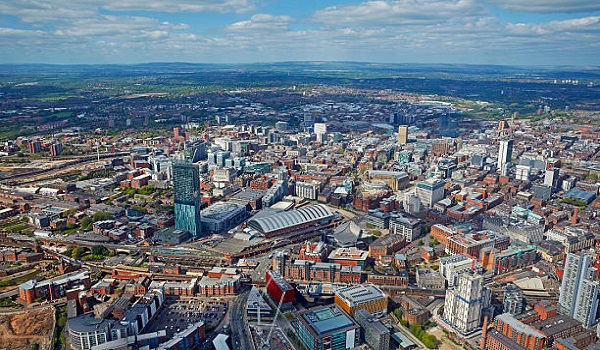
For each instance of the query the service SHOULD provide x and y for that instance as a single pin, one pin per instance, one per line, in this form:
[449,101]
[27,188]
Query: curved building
[292,220]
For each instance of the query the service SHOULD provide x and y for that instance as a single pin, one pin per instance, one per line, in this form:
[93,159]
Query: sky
[511,32]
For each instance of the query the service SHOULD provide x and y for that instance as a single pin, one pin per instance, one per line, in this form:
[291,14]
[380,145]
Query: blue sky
[514,32]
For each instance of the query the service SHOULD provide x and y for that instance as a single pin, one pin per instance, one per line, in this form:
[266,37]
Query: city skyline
[513,32]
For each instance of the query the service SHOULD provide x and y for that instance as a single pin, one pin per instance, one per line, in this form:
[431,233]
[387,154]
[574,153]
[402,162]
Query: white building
[409,228]
[465,303]
[522,172]
[504,154]
[309,190]
[430,191]
[452,266]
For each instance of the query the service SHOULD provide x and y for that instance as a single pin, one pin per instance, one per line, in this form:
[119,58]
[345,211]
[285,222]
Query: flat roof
[328,319]
[356,295]
[88,323]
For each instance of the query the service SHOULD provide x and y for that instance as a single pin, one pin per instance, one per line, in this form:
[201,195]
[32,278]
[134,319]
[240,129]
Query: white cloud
[399,12]
[262,22]
[45,11]
[549,6]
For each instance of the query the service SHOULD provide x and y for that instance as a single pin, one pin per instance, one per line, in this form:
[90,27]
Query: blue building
[327,327]
[186,193]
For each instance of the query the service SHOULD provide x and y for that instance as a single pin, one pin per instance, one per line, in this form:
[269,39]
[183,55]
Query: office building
[552,178]
[368,297]
[326,328]
[186,195]
[405,226]
[430,191]
[466,302]
[504,154]
[579,289]
[375,334]
[351,256]
[403,134]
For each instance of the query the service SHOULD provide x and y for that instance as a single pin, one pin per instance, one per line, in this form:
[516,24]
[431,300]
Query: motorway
[239,324]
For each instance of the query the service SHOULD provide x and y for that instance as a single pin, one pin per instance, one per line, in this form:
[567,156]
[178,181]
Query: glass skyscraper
[186,193]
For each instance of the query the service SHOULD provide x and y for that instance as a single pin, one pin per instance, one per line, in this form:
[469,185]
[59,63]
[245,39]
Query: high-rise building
[430,191]
[579,290]
[465,303]
[56,149]
[186,193]
[35,146]
[320,130]
[551,178]
[444,121]
[513,300]
[504,154]
[403,134]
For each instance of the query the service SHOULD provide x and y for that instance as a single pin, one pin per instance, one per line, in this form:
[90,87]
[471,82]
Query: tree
[100,250]
[77,253]
[86,223]
[420,242]
[101,216]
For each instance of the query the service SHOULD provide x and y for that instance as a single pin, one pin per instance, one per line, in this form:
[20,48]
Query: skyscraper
[504,154]
[465,303]
[579,289]
[444,121]
[402,134]
[186,193]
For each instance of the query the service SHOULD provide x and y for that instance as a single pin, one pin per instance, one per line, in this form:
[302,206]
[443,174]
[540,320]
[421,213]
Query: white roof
[220,342]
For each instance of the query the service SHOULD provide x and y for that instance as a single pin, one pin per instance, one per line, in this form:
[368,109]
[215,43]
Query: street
[239,325]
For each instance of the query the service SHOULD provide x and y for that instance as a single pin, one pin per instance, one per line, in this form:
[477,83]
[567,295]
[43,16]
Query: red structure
[277,287]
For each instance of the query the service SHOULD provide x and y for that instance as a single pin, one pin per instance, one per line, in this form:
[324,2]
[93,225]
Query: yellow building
[403,134]
[368,297]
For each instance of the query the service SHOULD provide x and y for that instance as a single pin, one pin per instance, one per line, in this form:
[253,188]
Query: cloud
[549,6]
[261,22]
[399,12]
[584,24]
[44,11]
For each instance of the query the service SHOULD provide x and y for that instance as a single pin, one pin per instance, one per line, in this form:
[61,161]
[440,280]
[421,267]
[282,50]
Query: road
[239,324]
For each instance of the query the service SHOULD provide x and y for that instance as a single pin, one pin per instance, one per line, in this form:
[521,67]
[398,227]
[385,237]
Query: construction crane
[267,341]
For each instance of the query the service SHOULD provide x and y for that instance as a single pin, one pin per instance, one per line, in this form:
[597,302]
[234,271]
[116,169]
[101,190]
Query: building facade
[579,289]
[186,195]
[465,303]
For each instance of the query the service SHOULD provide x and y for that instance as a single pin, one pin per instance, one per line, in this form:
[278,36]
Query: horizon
[316,62]
[475,32]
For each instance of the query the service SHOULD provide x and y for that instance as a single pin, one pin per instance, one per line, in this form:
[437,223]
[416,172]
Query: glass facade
[186,193]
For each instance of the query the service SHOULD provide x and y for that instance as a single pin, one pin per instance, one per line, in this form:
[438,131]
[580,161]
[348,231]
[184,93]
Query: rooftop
[356,295]
[519,326]
[328,319]
[351,253]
